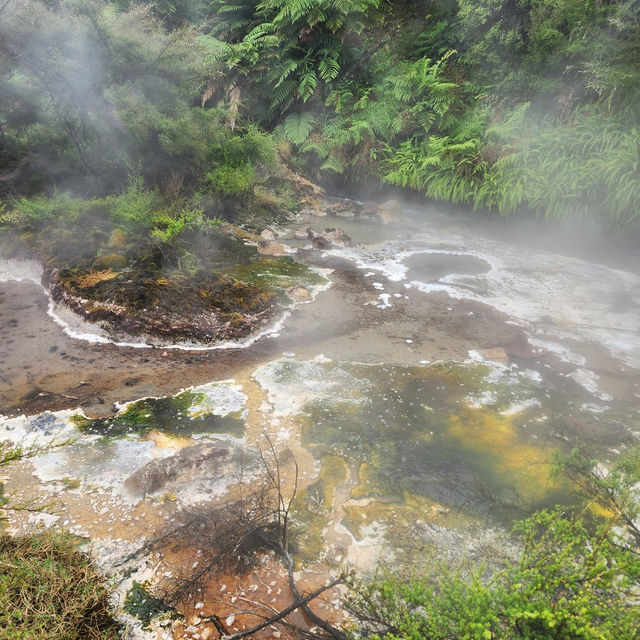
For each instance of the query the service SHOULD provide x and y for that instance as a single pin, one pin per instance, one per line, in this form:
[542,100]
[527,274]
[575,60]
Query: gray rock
[45,423]
[298,293]
[157,474]
[336,238]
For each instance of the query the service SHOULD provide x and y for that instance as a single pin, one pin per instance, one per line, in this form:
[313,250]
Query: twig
[283,614]
[43,392]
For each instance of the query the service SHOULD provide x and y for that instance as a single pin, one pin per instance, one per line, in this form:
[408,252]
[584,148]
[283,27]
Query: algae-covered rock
[118,239]
[113,261]
[146,299]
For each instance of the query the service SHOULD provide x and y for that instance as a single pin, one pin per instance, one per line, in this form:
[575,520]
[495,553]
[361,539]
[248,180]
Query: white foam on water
[519,407]
[556,299]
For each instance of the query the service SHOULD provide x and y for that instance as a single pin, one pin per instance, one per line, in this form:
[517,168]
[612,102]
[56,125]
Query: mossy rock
[113,261]
[118,239]
[172,415]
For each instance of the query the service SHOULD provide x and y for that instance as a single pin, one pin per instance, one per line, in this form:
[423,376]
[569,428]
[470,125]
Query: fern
[298,126]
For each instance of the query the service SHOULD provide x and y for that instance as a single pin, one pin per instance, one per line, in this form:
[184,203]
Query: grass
[49,590]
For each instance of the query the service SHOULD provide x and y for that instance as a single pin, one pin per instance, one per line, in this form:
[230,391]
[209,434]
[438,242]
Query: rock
[390,211]
[343,209]
[156,474]
[336,237]
[285,234]
[302,235]
[313,212]
[45,423]
[370,208]
[319,242]
[267,234]
[271,248]
[298,293]
[496,354]
[118,239]
[114,261]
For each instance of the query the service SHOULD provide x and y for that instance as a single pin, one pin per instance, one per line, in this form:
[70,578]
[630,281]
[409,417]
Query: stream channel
[422,393]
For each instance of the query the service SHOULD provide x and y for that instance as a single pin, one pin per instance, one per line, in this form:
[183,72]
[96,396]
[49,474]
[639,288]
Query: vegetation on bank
[50,590]
[514,106]
[577,576]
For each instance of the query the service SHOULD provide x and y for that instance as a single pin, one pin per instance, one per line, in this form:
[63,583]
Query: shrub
[231,181]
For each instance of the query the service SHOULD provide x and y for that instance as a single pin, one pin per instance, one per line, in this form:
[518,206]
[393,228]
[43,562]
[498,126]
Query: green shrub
[568,584]
[133,210]
[232,181]
[41,209]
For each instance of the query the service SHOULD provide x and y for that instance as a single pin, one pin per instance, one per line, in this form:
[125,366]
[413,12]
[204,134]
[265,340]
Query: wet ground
[421,395]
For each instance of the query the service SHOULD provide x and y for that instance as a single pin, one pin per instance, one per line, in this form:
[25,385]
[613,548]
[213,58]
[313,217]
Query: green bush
[568,584]
[41,209]
[133,209]
[577,576]
[231,181]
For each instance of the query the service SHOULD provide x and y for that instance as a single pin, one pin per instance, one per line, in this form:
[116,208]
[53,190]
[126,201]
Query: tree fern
[298,126]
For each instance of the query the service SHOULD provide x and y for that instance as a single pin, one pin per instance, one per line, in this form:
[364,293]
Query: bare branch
[283,614]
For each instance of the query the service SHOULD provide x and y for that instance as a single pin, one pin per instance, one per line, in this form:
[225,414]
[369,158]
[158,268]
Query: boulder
[319,242]
[158,473]
[331,237]
[298,293]
[271,248]
[285,234]
[118,239]
[370,208]
[336,237]
[390,211]
[343,209]
[267,234]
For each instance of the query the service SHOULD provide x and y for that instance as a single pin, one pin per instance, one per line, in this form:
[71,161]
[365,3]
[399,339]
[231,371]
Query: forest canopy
[516,106]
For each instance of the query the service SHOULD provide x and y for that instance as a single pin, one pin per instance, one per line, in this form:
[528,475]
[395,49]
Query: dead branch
[235,534]
[284,613]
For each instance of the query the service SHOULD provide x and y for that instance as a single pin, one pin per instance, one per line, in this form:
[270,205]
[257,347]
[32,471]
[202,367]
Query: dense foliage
[510,105]
[502,104]
[574,579]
